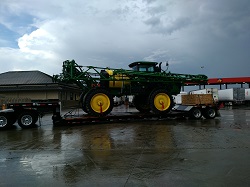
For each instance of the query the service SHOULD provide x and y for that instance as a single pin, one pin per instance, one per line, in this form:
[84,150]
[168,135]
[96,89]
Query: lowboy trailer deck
[68,119]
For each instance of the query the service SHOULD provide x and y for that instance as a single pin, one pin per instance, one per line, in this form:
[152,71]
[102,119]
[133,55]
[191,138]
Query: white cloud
[34,43]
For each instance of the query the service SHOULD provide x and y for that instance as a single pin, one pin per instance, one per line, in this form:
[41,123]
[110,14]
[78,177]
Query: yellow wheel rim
[162,101]
[100,103]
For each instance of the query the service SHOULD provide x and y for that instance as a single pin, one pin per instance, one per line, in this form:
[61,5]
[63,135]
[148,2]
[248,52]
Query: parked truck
[232,96]
[151,86]
[247,95]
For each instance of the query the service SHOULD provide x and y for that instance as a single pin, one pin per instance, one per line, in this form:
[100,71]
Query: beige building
[18,86]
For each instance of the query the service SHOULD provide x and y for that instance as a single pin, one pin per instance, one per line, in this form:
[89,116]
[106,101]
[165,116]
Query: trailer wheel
[195,113]
[27,119]
[99,102]
[160,102]
[141,103]
[4,121]
[209,113]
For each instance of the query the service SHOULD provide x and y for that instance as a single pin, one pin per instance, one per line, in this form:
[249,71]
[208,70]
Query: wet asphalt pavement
[173,152]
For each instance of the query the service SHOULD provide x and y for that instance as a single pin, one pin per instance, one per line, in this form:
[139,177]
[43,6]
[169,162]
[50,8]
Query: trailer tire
[27,119]
[99,102]
[4,121]
[141,103]
[160,101]
[209,113]
[195,113]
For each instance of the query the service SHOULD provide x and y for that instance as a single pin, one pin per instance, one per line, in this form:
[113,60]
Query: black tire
[209,113]
[83,102]
[99,102]
[84,108]
[141,103]
[160,101]
[27,119]
[5,121]
[195,113]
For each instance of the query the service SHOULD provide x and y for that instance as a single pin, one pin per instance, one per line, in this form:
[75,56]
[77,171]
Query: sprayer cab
[146,66]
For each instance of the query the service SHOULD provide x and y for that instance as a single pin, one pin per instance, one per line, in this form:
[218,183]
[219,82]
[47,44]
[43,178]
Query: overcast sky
[209,37]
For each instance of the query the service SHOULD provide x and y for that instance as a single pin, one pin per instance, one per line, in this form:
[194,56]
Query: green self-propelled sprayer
[151,86]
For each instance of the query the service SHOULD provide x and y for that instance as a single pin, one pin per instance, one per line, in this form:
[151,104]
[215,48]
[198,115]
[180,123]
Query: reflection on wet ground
[174,152]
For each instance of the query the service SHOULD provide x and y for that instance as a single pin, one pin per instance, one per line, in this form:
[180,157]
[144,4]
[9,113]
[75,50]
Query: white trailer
[232,96]
[247,94]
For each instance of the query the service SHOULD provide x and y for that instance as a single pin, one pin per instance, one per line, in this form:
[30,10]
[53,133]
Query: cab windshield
[145,68]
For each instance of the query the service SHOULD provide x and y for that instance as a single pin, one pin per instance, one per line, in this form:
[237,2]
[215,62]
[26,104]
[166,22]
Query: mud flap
[217,113]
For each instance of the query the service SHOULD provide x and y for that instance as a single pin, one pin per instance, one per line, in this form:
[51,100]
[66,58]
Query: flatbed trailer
[27,114]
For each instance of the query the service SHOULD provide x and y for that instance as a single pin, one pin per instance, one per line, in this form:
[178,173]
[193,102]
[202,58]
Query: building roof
[31,81]
[24,77]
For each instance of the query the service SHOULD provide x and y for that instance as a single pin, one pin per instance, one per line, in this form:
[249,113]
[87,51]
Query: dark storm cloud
[230,17]
[213,34]
[149,1]
[153,21]
[166,26]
